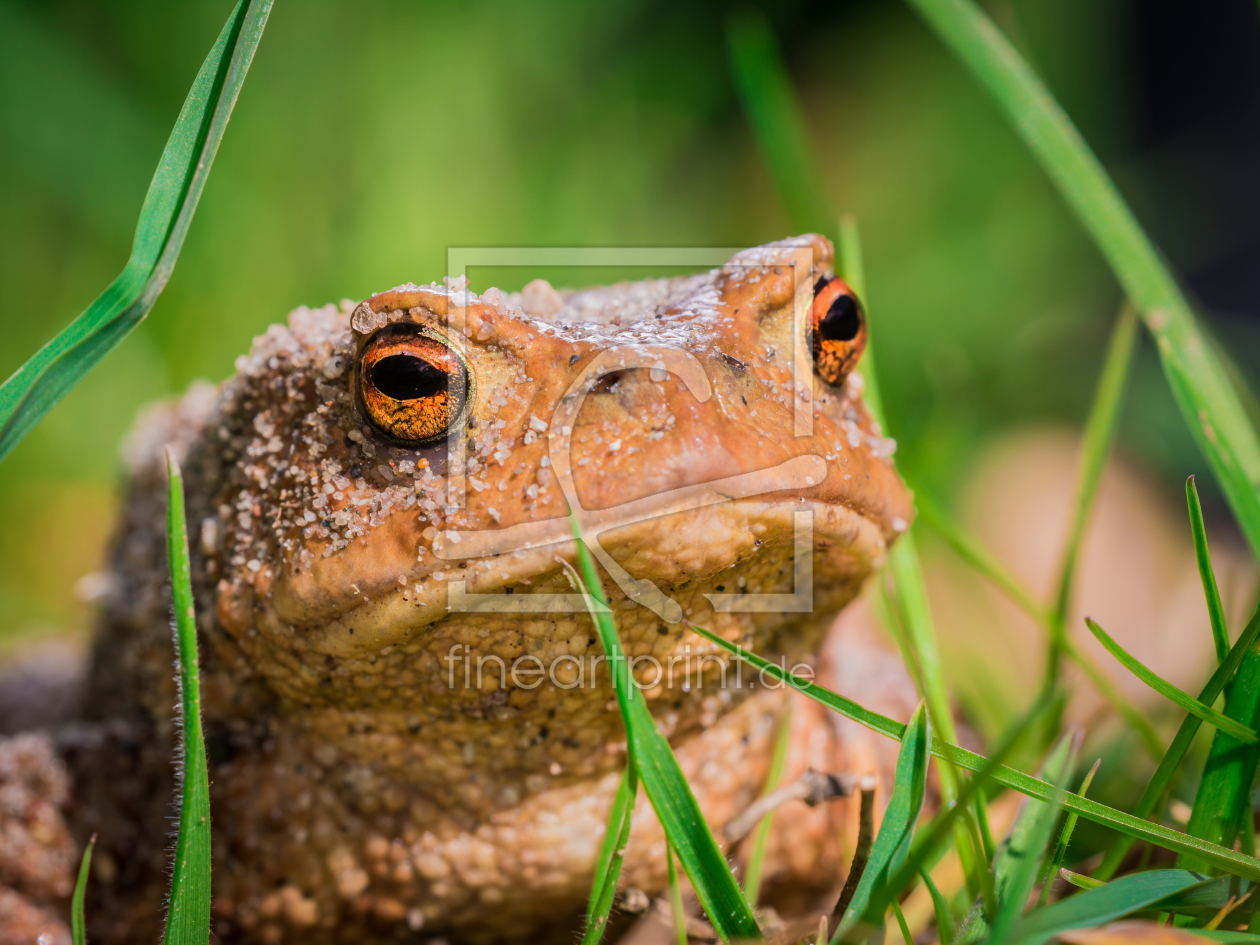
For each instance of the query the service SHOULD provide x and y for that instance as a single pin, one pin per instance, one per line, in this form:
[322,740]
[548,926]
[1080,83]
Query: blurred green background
[370,136]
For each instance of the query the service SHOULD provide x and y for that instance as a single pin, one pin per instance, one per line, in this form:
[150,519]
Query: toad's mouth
[709,536]
[794,475]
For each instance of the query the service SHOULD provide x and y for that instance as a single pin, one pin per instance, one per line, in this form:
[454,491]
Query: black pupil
[842,321]
[405,377]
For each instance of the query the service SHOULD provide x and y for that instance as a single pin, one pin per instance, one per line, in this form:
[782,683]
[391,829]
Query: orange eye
[413,386]
[837,330]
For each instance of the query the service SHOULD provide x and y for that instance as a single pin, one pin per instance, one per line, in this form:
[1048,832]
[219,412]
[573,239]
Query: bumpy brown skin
[359,789]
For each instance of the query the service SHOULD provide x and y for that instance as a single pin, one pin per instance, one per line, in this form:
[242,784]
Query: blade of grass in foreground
[78,931]
[1226,859]
[979,558]
[779,127]
[1026,848]
[50,373]
[1104,904]
[1100,430]
[676,808]
[752,879]
[1065,838]
[611,854]
[1168,765]
[1216,612]
[676,911]
[909,587]
[777,122]
[940,905]
[1209,404]
[1169,691]
[932,838]
[1224,792]
[892,843]
[188,918]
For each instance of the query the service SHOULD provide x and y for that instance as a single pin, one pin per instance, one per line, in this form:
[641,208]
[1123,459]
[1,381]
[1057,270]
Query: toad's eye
[837,330]
[413,386]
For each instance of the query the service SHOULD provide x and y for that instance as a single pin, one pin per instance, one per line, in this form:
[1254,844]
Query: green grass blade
[1203,390]
[892,843]
[777,121]
[752,879]
[1172,759]
[779,126]
[1107,903]
[1065,838]
[1080,880]
[1226,859]
[1170,692]
[901,923]
[1111,692]
[188,918]
[912,604]
[909,587]
[1225,788]
[676,808]
[78,930]
[1205,899]
[676,912]
[932,839]
[50,373]
[940,905]
[1018,838]
[1027,846]
[903,558]
[975,554]
[1100,430]
[1216,612]
[611,854]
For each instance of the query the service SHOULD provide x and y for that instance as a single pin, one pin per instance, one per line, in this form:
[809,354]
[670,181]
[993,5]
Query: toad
[409,719]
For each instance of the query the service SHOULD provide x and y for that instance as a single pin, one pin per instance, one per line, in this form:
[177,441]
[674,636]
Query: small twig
[866,836]
[812,787]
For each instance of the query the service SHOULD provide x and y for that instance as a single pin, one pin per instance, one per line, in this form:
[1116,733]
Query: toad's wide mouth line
[795,474]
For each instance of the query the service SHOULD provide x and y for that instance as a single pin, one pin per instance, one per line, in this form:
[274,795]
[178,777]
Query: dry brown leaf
[1131,932]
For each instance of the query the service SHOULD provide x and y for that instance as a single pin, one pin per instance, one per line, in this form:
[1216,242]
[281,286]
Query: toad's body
[374,771]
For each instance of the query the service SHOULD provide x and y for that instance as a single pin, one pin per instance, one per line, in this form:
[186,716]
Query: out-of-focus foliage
[372,136]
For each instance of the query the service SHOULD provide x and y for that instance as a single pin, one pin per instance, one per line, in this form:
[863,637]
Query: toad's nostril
[406,377]
[607,382]
[842,321]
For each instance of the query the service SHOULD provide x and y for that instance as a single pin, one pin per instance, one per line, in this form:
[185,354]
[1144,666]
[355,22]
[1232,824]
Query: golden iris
[413,385]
